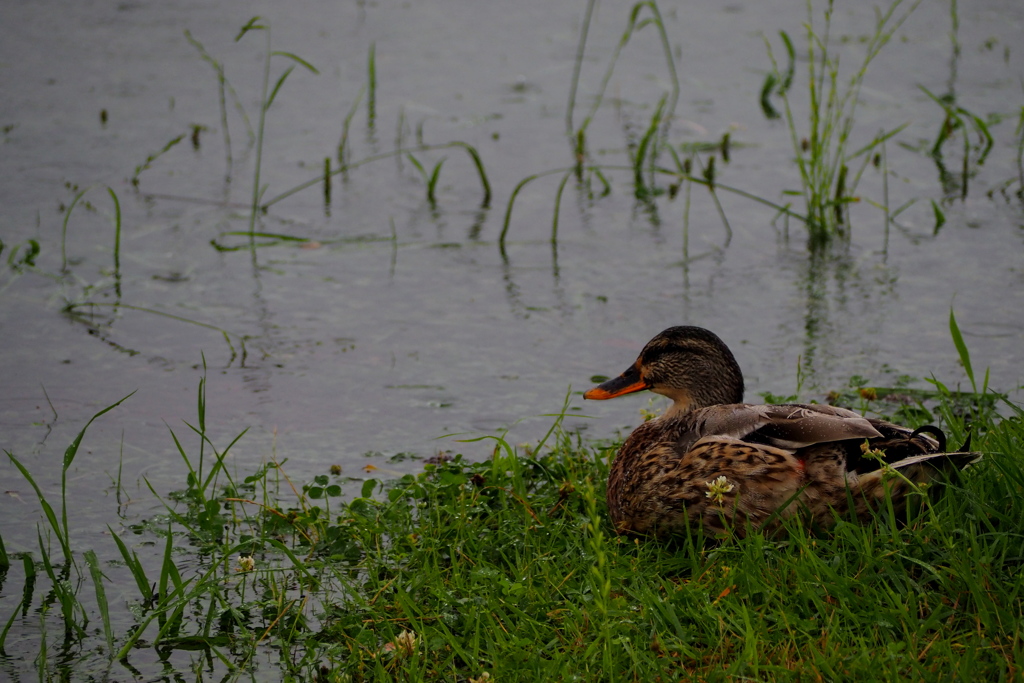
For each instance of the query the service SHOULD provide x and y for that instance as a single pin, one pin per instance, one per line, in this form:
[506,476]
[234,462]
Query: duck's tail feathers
[933,470]
[940,436]
[938,461]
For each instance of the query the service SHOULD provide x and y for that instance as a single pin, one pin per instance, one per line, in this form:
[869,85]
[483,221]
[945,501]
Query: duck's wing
[790,426]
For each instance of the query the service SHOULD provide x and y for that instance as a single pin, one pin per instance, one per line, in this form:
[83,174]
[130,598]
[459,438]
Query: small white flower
[404,644]
[246,563]
[718,488]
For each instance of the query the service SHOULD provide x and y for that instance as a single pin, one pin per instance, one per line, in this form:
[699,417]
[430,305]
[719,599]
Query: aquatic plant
[267,97]
[821,149]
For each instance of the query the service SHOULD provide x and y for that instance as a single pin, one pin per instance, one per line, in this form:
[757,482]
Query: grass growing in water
[822,151]
[508,567]
[266,99]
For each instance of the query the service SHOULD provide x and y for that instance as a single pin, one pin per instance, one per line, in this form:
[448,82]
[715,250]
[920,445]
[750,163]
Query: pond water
[388,320]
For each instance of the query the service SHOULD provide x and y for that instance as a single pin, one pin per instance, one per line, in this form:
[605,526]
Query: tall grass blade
[343,146]
[7,627]
[62,591]
[5,561]
[298,60]
[277,86]
[479,164]
[577,66]
[29,259]
[69,457]
[29,567]
[51,516]
[419,167]
[260,127]
[223,87]
[64,230]
[633,25]
[101,597]
[327,182]
[646,147]
[771,80]
[145,165]
[134,565]
[558,206]
[961,349]
[940,217]
[432,182]
[117,241]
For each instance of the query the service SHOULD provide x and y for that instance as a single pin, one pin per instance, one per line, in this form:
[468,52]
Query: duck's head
[690,365]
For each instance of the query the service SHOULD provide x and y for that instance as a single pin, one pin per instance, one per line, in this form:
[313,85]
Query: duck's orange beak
[626,383]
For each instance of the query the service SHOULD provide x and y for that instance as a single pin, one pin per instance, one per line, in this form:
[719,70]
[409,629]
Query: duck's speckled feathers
[720,464]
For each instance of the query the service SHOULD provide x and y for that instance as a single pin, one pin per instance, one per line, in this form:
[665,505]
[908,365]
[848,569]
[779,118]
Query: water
[405,322]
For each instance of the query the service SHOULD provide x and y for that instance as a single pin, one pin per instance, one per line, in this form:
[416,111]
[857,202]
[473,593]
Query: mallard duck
[711,459]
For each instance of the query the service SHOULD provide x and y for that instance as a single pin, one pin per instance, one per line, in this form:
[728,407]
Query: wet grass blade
[117,236]
[131,560]
[298,60]
[430,179]
[64,230]
[940,217]
[223,87]
[961,349]
[633,25]
[145,165]
[577,67]
[7,626]
[69,457]
[117,241]
[646,148]
[284,76]
[63,592]
[267,96]
[479,164]
[277,86]
[343,146]
[101,597]
[327,182]
[558,206]
[419,167]
[48,512]
[771,80]
[435,175]
[168,570]
[529,179]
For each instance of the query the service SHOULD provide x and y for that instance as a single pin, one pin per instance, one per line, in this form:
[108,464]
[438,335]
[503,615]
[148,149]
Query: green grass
[509,566]
[502,561]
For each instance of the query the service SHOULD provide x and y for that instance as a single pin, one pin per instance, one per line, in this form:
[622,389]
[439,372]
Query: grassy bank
[509,567]
[504,567]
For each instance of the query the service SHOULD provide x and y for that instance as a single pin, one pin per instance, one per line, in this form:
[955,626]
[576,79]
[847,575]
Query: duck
[728,467]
